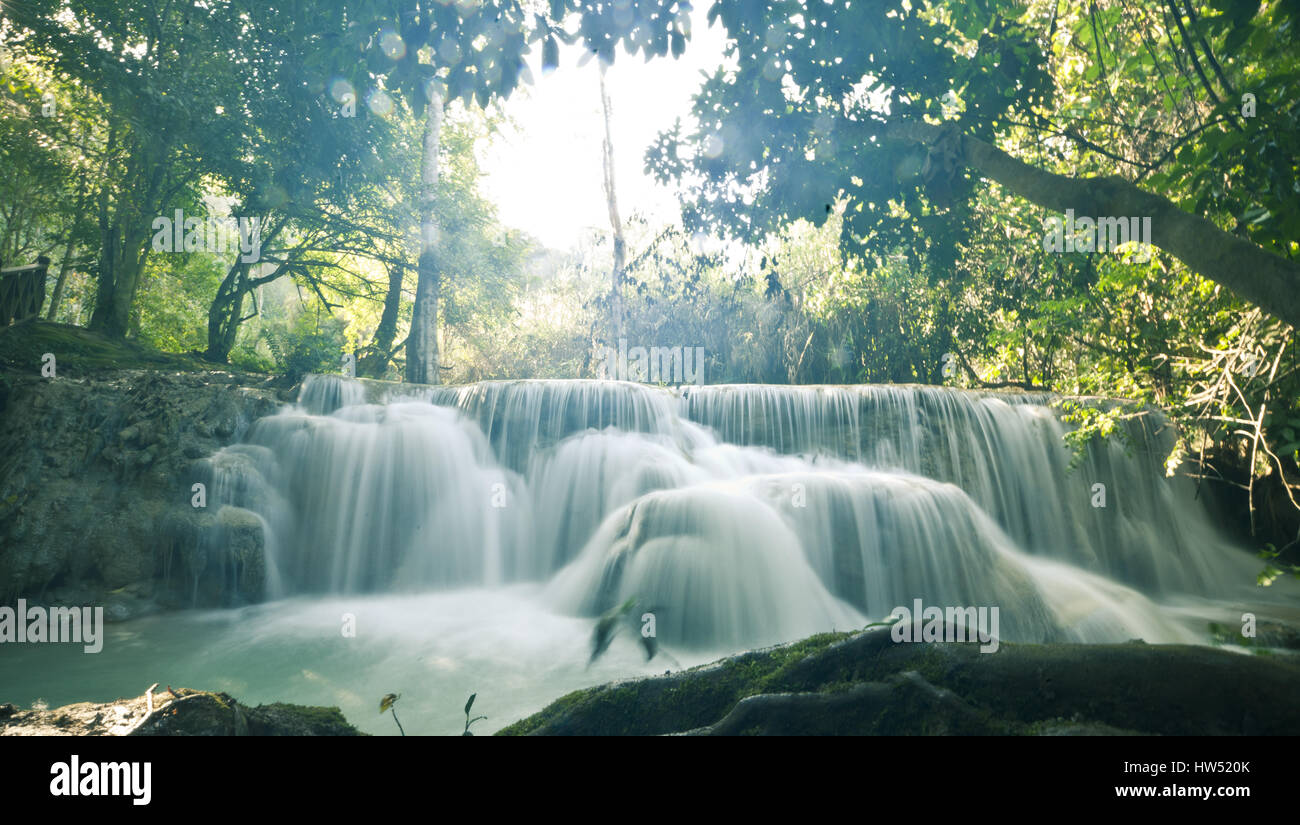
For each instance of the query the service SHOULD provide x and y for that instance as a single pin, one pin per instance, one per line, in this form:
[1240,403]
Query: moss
[204,713]
[865,684]
[692,698]
[223,701]
[279,719]
[307,712]
[79,352]
[550,712]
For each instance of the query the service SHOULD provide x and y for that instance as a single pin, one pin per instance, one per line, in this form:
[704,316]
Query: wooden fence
[22,291]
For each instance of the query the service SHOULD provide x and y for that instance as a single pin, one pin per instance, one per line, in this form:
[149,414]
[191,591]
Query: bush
[312,343]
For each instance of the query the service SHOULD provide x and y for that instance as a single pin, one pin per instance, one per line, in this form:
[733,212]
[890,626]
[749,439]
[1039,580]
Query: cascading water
[438,542]
[1007,451]
[743,515]
[378,498]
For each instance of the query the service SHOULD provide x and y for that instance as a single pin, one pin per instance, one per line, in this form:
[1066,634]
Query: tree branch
[1252,272]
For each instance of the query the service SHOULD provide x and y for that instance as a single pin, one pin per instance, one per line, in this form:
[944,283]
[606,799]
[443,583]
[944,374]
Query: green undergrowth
[78,352]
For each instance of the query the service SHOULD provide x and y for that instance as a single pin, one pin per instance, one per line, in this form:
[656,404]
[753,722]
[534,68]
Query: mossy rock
[866,684]
[279,719]
[179,712]
[198,713]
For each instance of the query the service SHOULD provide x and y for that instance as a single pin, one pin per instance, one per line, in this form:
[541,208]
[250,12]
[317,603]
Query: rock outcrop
[181,713]
[864,683]
[97,475]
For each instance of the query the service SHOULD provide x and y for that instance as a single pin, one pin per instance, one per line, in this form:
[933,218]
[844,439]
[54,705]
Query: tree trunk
[104,281]
[375,362]
[125,236]
[62,281]
[615,222]
[422,343]
[119,281]
[56,300]
[1267,280]
[226,313]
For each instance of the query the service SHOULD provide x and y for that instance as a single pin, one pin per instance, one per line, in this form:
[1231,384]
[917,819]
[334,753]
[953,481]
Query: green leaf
[550,54]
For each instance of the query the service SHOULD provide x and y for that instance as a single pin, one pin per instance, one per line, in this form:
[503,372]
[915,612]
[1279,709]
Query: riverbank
[101,456]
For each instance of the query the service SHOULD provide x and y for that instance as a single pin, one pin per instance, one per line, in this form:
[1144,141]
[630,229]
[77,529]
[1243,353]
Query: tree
[422,343]
[434,52]
[827,97]
[313,206]
[47,154]
[615,221]
[160,71]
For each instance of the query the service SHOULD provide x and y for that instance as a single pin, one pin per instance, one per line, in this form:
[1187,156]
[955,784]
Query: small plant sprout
[469,721]
[386,705]
[606,626]
[642,625]
[889,622]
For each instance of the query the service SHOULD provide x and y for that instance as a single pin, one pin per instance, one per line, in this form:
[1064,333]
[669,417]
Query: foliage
[1148,93]
[468,721]
[815,247]
[388,704]
[311,343]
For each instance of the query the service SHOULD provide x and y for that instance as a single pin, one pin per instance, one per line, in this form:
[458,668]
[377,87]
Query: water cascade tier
[739,515]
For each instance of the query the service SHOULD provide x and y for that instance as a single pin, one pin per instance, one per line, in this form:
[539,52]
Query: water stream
[472,534]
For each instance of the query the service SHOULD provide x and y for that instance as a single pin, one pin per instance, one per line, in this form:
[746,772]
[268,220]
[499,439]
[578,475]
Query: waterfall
[1007,451]
[323,394]
[739,515]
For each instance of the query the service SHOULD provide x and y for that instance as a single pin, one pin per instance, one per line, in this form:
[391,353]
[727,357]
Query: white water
[475,532]
[748,514]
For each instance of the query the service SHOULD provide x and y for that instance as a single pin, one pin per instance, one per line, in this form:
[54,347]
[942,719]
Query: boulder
[865,683]
[182,712]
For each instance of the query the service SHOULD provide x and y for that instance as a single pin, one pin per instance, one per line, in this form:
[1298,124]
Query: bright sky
[545,174]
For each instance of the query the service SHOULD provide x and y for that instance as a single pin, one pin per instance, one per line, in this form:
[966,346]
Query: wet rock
[180,713]
[888,707]
[223,556]
[864,683]
[95,483]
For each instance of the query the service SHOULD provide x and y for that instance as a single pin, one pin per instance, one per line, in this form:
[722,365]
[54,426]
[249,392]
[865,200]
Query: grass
[79,352]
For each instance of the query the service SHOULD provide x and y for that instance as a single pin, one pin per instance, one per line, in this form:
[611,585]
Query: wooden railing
[22,291]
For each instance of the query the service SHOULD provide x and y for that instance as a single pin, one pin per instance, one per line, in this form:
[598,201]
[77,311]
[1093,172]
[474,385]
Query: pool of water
[433,649]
